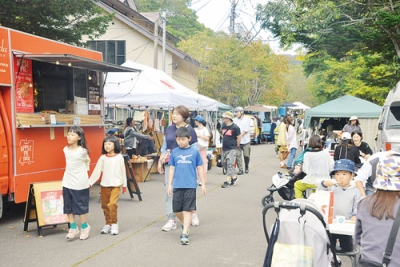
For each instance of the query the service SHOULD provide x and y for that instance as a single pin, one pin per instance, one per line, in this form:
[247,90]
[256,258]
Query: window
[113,51]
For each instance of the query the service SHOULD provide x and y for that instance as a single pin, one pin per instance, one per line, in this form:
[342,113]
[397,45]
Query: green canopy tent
[223,108]
[344,107]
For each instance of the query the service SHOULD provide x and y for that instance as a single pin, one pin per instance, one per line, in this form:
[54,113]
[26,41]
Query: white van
[389,122]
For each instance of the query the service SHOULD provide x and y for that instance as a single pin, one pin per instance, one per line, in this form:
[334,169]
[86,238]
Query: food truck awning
[76,62]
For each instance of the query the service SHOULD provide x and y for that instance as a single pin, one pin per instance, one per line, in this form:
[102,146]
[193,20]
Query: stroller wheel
[224,167]
[267,199]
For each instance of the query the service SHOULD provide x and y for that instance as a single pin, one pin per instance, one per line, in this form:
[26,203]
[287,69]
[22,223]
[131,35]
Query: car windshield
[393,121]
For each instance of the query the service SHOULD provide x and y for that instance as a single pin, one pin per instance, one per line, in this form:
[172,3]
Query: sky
[215,14]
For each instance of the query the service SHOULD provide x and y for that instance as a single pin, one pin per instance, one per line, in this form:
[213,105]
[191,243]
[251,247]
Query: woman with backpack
[346,150]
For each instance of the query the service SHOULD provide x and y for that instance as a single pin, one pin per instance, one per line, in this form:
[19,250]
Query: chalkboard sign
[45,205]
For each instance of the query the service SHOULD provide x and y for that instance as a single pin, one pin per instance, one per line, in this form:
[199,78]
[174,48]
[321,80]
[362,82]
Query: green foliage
[237,73]
[65,21]
[181,20]
[356,75]
[338,34]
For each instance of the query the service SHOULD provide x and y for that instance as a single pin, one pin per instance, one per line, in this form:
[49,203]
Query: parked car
[389,122]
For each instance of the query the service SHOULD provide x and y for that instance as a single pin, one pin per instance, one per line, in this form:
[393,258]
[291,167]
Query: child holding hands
[346,196]
[111,164]
[75,182]
[182,184]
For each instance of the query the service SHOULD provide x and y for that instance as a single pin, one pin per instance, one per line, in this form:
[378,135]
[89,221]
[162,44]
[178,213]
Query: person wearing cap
[203,136]
[346,150]
[377,212]
[352,125]
[245,148]
[346,197]
[230,144]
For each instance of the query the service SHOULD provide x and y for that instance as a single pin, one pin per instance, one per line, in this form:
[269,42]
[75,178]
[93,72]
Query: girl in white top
[75,182]
[203,136]
[111,164]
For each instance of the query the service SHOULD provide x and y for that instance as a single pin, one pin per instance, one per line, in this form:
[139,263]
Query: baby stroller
[281,183]
[299,236]
[284,184]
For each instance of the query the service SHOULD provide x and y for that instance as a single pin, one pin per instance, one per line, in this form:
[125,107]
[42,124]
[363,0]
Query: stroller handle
[291,206]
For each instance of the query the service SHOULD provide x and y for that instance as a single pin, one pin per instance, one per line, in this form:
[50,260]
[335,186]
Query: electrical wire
[143,50]
[202,6]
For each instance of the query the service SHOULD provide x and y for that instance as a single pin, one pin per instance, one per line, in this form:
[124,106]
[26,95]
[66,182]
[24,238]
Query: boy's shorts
[76,201]
[184,199]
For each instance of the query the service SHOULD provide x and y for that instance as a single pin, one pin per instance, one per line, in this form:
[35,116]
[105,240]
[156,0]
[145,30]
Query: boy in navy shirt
[182,183]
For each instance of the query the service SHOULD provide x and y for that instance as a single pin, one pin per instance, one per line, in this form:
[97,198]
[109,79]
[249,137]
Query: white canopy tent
[152,88]
[300,105]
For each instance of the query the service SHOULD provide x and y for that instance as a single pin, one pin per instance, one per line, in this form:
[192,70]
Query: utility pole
[233,15]
[155,64]
[164,19]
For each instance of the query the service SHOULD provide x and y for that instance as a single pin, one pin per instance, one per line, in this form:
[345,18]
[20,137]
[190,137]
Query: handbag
[389,246]
[164,158]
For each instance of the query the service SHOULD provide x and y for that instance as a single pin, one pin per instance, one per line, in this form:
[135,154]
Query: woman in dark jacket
[345,150]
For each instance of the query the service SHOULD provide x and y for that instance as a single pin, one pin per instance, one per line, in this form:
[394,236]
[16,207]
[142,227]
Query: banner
[24,98]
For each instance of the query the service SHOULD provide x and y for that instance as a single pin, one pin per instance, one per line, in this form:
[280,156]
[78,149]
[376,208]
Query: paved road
[230,231]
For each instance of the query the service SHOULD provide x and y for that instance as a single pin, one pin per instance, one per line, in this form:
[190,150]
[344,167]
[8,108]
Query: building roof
[143,25]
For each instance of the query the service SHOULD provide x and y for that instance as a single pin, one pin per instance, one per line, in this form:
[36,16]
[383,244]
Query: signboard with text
[5,62]
[24,99]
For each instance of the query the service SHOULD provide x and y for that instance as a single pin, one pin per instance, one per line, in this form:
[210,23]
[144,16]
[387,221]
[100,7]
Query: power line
[203,6]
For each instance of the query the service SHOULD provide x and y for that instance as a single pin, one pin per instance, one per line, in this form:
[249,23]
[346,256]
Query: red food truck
[45,88]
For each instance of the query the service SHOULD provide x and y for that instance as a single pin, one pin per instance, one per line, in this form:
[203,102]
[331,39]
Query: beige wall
[140,49]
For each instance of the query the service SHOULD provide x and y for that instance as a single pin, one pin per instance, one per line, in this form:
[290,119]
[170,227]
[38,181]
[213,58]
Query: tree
[65,21]
[181,20]
[368,29]
[237,73]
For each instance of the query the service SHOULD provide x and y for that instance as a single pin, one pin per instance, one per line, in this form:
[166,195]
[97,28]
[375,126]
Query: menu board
[94,94]
[52,207]
[24,102]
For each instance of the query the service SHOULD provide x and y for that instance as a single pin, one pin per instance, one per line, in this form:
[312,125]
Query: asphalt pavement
[230,231]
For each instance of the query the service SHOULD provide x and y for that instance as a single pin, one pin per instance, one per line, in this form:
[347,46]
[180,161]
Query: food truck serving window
[64,85]
[62,89]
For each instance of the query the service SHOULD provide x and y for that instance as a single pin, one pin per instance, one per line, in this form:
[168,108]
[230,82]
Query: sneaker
[85,233]
[225,184]
[170,225]
[240,172]
[72,233]
[284,166]
[234,180]
[246,170]
[182,230]
[195,219]
[114,229]
[106,229]
[184,239]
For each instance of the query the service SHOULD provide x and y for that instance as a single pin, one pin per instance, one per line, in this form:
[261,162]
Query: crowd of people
[366,185]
